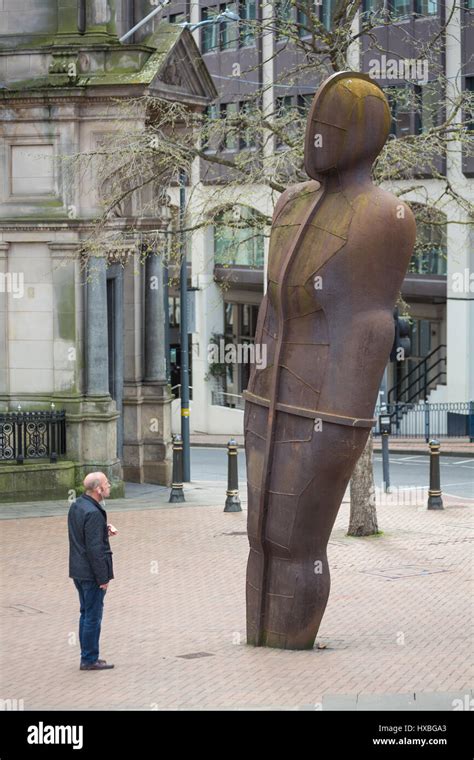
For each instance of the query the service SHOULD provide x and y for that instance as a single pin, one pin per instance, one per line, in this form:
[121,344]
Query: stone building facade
[87,337]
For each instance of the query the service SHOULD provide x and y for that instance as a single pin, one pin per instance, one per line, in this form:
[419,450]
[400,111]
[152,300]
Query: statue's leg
[309,474]
[255,427]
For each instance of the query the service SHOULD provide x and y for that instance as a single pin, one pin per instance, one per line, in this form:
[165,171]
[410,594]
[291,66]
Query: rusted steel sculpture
[339,250]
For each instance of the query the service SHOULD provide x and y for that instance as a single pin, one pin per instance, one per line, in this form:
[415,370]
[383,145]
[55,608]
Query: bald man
[90,564]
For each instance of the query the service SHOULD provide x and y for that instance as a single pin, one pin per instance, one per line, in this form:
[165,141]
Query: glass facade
[229,30]
[427,107]
[209,32]
[238,238]
[231,136]
[426,7]
[431,251]
[399,8]
[283,15]
[248,14]
[240,320]
[327,7]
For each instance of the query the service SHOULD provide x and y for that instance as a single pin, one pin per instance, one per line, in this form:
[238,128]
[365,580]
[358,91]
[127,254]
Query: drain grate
[235,533]
[195,655]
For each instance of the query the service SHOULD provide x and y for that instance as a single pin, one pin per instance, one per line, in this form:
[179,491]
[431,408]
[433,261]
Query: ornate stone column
[156,407]
[97,360]
[155,362]
[99,413]
[3,325]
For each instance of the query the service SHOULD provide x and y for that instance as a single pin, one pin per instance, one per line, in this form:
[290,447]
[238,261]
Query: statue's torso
[328,303]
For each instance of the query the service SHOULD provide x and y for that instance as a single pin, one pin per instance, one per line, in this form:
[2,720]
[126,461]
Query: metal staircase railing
[418,382]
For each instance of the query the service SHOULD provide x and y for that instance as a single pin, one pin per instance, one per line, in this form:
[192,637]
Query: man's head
[97,485]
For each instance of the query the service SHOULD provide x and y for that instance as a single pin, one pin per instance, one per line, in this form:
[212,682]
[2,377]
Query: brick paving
[398,622]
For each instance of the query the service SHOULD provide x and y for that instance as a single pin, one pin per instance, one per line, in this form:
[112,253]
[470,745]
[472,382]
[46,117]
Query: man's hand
[104,586]
[112,529]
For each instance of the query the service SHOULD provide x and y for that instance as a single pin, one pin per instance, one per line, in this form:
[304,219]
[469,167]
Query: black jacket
[90,556]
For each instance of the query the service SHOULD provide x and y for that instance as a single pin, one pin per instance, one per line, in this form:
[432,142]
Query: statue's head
[348,124]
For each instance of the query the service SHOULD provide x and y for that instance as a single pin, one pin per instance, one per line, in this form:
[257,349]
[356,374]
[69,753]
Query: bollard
[385,425]
[232,503]
[434,494]
[177,494]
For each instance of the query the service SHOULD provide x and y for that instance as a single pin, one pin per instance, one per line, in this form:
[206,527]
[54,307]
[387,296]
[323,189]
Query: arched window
[430,254]
[238,237]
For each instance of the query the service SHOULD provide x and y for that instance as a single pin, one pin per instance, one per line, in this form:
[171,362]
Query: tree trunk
[363,517]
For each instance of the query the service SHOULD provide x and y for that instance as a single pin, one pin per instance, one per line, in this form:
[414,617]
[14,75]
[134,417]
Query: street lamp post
[184,335]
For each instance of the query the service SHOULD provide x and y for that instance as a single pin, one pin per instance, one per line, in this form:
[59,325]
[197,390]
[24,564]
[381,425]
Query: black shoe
[99,665]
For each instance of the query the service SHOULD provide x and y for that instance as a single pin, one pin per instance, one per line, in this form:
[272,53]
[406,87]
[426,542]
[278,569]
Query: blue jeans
[91,598]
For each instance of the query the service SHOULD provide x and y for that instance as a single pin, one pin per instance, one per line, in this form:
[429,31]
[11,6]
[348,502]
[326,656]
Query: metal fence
[407,420]
[427,420]
[230,400]
[32,435]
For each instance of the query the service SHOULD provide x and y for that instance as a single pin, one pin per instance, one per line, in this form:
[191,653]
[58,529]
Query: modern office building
[437,287]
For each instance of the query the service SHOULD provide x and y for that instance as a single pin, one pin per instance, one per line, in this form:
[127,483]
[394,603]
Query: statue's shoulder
[382,203]
[293,193]
[383,208]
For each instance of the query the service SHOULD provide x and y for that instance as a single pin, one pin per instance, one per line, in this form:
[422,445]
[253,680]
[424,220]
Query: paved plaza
[397,632]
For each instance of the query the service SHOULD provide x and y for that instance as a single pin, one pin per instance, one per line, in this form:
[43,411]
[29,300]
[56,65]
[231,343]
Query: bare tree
[137,169]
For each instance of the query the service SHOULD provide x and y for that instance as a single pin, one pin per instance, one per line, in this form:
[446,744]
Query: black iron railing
[419,381]
[32,435]
[427,420]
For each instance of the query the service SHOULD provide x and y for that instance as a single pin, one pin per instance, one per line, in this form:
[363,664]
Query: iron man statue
[339,250]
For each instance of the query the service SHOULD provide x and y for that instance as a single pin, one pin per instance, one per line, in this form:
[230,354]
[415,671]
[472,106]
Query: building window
[177,18]
[415,108]
[401,104]
[283,105]
[303,23]
[238,238]
[427,102]
[221,35]
[209,137]
[240,320]
[426,7]
[247,134]
[328,8]
[304,103]
[291,111]
[229,33]
[400,8]
[283,18]
[230,112]
[469,110]
[209,32]
[431,251]
[173,311]
[375,6]
[248,15]
[32,170]
[235,135]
